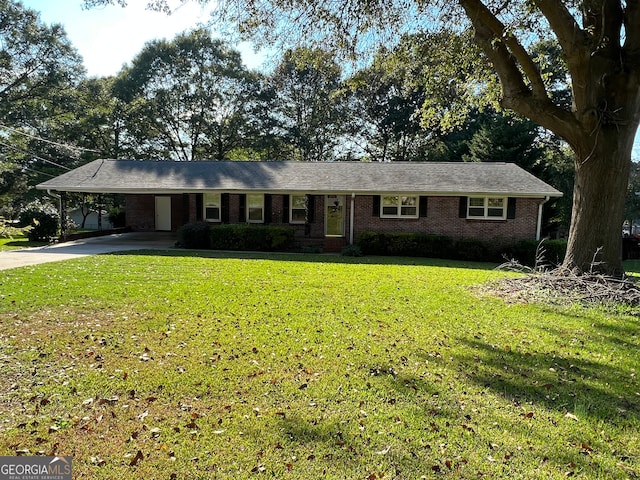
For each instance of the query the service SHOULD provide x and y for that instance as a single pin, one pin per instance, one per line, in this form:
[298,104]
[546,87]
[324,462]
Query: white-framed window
[297,208]
[255,208]
[212,205]
[399,206]
[487,208]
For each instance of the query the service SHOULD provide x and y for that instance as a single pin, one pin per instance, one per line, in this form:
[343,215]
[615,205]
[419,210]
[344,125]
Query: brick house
[329,203]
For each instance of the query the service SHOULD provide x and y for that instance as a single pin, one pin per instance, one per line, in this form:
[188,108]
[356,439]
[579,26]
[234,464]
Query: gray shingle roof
[428,178]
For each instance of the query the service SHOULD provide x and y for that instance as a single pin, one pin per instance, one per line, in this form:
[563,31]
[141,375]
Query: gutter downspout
[351,217]
[539,225]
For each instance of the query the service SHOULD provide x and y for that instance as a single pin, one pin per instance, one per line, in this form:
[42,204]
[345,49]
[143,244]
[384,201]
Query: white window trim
[485,216]
[399,207]
[291,209]
[247,207]
[204,207]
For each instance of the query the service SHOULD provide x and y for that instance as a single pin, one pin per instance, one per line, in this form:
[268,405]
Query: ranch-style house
[327,203]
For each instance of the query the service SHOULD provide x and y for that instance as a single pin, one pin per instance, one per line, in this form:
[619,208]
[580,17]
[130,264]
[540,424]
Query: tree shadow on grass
[313,258]
[560,383]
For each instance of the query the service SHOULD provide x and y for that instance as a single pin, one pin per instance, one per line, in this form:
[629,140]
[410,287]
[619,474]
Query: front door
[334,216]
[163,214]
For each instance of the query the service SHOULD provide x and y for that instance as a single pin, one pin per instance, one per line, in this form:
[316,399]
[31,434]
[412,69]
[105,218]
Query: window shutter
[224,208]
[199,206]
[376,206]
[242,211]
[267,208]
[285,208]
[511,208]
[462,209]
[311,207]
[423,205]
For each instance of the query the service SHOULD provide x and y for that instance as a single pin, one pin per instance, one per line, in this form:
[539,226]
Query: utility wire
[35,137]
[40,173]
[22,150]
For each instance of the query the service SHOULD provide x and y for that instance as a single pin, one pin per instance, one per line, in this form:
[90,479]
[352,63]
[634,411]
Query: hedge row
[203,235]
[441,246]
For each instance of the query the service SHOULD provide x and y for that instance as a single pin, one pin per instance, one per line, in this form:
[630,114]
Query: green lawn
[309,367]
[19,241]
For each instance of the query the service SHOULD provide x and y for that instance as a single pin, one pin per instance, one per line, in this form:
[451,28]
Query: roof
[424,178]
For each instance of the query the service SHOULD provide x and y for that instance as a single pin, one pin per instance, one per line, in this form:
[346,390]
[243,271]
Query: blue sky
[108,37]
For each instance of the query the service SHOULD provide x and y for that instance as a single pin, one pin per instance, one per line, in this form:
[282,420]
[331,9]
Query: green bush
[554,251]
[351,251]
[470,249]
[473,249]
[405,244]
[44,225]
[251,237]
[117,217]
[194,235]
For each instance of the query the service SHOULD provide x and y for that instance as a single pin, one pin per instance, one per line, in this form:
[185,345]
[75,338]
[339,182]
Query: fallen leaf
[134,461]
[384,451]
[570,416]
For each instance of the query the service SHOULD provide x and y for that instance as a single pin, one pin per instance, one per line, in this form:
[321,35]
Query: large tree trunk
[601,178]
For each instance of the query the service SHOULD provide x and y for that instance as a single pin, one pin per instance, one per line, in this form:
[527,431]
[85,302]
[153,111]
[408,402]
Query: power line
[22,150]
[35,137]
[38,172]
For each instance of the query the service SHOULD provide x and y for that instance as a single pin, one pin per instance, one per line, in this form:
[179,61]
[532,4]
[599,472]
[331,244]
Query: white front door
[163,214]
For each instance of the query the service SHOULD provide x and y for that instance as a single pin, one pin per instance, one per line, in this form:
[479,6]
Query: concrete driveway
[88,246]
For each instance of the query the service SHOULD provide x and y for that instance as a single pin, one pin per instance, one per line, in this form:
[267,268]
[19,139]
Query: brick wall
[442,217]
[140,211]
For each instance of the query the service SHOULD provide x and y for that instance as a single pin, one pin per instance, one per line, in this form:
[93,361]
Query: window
[491,208]
[211,205]
[298,209]
[255,208]
[399,206]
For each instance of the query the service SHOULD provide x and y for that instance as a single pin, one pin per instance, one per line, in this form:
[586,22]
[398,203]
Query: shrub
[472,249]
[372,243]
[554,251]
[351,251]
[251,237]
[44,225]
[117,217]
[194,235]
[406,244]
[9,230]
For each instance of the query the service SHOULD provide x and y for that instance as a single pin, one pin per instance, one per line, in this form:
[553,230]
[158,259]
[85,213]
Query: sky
[109,37]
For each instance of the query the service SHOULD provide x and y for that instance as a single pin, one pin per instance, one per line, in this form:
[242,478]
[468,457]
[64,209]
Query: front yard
[285,366]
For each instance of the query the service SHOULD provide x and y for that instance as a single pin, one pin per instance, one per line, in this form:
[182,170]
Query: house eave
[171,191]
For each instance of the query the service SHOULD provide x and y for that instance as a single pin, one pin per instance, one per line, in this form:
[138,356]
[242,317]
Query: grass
[284,366]
[16,242]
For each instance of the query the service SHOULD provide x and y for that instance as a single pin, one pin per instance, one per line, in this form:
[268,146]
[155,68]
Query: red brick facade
[442,217]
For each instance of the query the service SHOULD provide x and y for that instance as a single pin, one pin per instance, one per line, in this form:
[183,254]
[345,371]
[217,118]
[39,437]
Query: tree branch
[517,96]
[482,17]
[571,37]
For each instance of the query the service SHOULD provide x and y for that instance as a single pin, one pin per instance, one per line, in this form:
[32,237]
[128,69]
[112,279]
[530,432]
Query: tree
[385,114]
[189,98]
[308,107]
[600,45]
[39,70]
